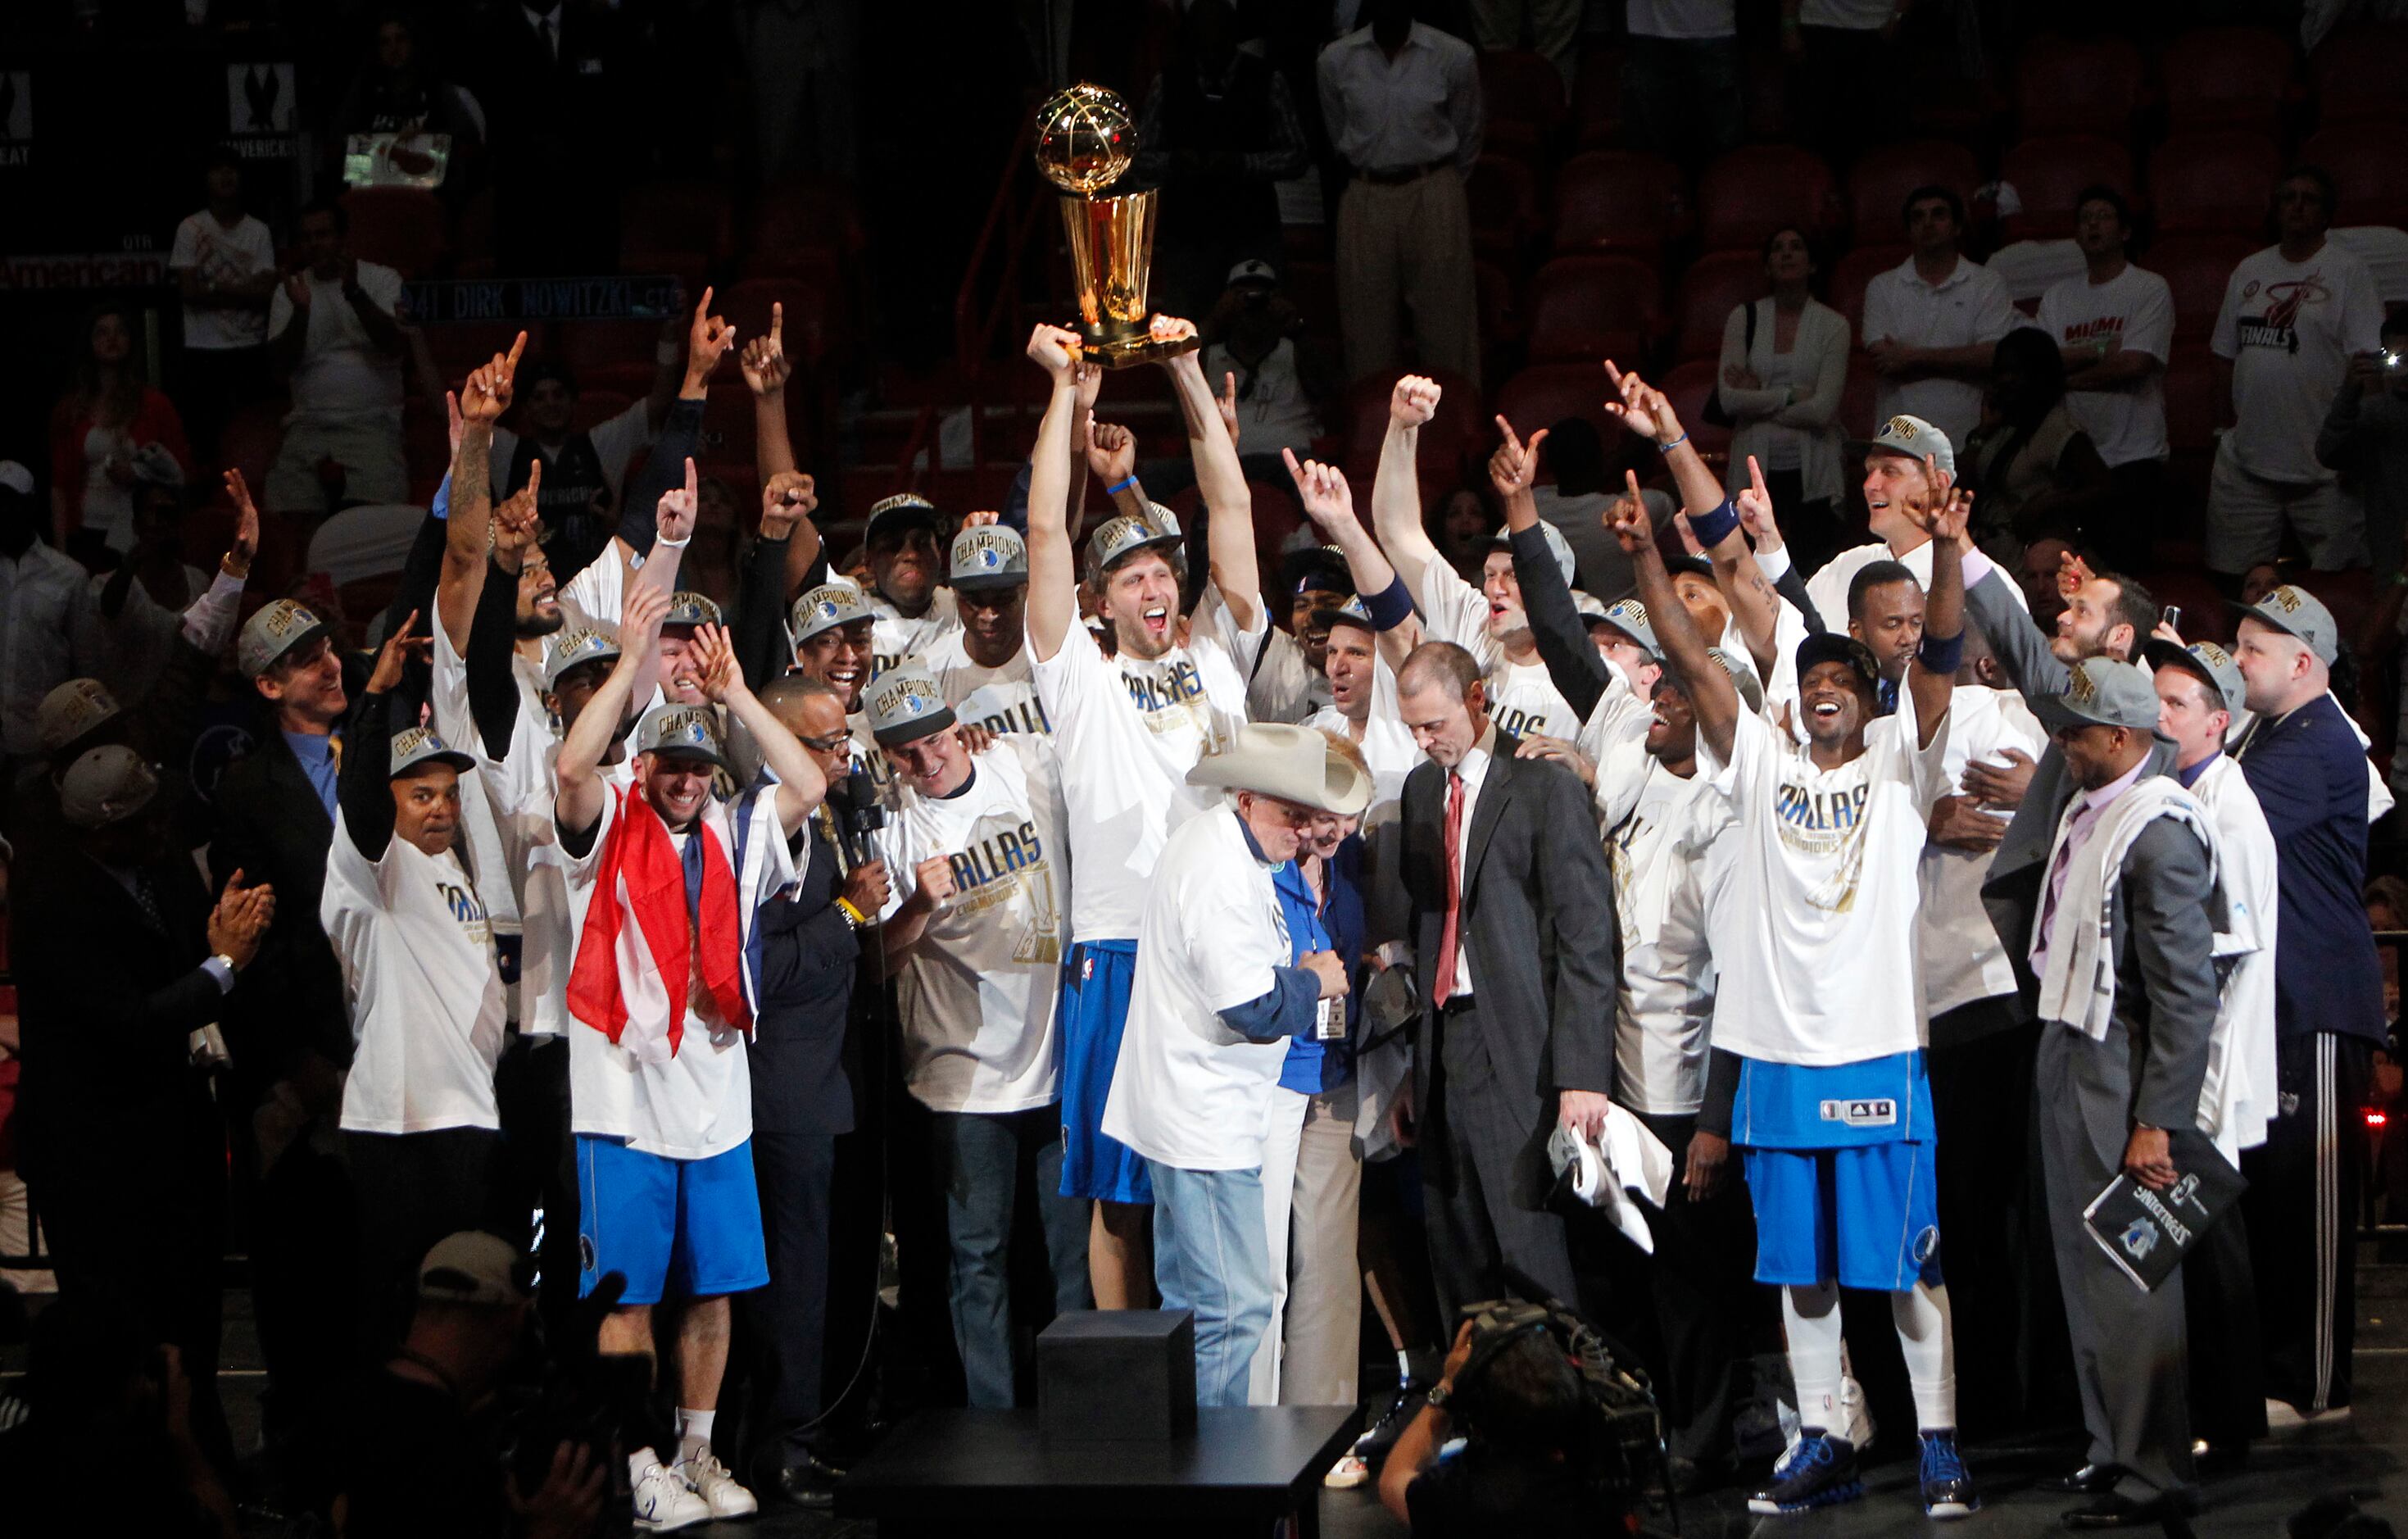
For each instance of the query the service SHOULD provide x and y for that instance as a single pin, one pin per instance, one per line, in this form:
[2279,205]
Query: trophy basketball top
[1085,139]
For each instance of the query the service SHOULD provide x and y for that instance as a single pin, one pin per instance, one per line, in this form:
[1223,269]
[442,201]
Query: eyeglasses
[828,744]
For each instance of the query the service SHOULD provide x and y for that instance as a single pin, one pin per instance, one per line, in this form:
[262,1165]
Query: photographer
[419,1461]
[1519,1410]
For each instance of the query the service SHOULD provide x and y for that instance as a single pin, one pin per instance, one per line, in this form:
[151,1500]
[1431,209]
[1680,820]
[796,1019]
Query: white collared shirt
[1473,771]
[1968,306]
[50,632]
[1386,114]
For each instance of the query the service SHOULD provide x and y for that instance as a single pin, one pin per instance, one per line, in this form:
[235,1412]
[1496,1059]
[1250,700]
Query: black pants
[211,384]
[2227,1381]
[1702,1300]
[415,1188]
[2124,535]
[1473,1133]
[1990,1226]
[531,1087]
[299,1227]
[2303,1212]
[1828,102]
[796,1172]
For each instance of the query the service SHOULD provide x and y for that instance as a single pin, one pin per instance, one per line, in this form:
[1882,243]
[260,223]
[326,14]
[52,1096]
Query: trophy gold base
[1129,352]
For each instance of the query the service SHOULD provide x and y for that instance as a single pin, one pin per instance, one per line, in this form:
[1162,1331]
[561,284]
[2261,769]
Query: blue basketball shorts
[1867,1216]
[657,1221]
[1095,1011]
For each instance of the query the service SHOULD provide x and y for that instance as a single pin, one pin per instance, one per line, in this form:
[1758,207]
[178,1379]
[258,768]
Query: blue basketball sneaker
[1947,1484]
[1820,1472]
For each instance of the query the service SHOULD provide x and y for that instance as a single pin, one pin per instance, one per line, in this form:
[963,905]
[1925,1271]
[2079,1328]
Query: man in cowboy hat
[1220,990]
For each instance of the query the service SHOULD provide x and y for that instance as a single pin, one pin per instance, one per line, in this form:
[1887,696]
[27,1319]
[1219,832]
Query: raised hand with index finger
[1514,466]
[1627,519]
[707,340]
[763,362]
[679,507]
[1327,499]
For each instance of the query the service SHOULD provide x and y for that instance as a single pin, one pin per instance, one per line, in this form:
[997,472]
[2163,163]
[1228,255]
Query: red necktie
[1448,943]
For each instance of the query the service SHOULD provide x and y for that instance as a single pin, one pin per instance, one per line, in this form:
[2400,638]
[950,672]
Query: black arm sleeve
[758,627]
[365,789]
[680,436]
[422,571]
[1562,636]
[1793,587]
[1722,1092]
[492,692]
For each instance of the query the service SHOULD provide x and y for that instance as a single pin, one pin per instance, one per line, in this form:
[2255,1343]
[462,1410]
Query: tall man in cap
[1128,729]
[664,884]
[422,1130]
[2123,1057]
[914,611]
[120,964]
[2199,692]
[981,664]
[2305,762]
[1907,463]
[1817,999]
[1222,987]
[975,931]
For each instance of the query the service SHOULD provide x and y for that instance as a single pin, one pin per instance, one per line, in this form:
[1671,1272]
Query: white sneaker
[664,1502]
[2284,1416]
[1347,1474]
[1858,1414]
[716,1487]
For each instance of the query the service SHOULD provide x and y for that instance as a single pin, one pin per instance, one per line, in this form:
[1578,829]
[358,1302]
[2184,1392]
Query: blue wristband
[1391,607]
[441,507]
[1712,528]
[1941,654]
[1667,448]
[1119,486]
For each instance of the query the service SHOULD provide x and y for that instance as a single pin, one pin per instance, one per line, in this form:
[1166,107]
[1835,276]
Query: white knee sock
[693,1432]
[1811,1315]
[1924,1334]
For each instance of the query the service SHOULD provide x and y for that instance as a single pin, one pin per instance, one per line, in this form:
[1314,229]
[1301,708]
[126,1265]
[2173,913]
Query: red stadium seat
[2358,72]
[2048,175]
[1503,193]
[1746,194]
[1856,269]
[1856,398]
[2196,267]
[1883,176]
[1689,387]
[1546,394]
[2089,86]
[1714,285]
[2227,78]
[2369,161]
[1617,200]
[665,224]
[1500,313]
[1593,308]
[2213,182]
[1597,100]
[399,226]
[1524,98]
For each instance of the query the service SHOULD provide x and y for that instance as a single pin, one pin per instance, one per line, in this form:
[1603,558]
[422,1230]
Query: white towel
[1627,1161]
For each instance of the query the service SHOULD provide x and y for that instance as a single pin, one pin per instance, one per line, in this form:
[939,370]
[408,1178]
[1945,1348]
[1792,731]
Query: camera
[570,1391]
[2394,361]
[1614,1438]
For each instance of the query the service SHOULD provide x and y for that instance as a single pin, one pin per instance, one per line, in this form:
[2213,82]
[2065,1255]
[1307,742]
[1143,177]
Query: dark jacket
[273,829]
[2309,774]
[808,955]
[1538,916]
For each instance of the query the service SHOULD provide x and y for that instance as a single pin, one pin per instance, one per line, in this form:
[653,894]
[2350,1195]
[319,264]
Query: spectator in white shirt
[224,262]
[2293,314]
[332,330]
[2114,326]
[50,632]
[1931,321]
[1785,363]
[1402,100]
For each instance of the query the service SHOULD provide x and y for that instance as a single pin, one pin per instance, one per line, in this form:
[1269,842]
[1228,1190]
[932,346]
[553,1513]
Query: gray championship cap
[1742,678]
[2206,661]
[829,606]
[988,555]
[74,711]
[575,648]
[2296,612]
[275,630]
[681,731]
[107,784]
[1557,546]
[415,745]
[687,607]
[904,509]
[1124,537]
[2101,692]
[1351,612]
[1914,439]
[906,703]
[1629,616]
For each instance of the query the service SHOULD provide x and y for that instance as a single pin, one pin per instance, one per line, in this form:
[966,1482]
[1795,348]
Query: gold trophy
[1085,139]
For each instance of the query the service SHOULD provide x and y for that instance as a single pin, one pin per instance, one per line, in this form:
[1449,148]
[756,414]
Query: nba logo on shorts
[585,1252]
[1086,969]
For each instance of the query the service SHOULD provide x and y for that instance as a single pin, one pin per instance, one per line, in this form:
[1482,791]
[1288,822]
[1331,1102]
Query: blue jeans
[1212,1255]
[979,1163]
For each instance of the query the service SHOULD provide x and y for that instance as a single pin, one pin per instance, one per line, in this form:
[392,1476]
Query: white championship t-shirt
[1522,697]
[1187,1090]
[1963,960]
[225,257]
[699,1103]
[893,637]
[342,375]
[1127,732]
[2288,329]
[2136,309]
[1386,742]
[419,976]
[1666,999]
[978,991]
[1822,969]
[998,699]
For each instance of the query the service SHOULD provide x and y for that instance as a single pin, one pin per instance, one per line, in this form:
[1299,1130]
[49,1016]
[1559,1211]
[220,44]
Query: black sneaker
[1373,1446]
[1820,1472]
[1947,1484]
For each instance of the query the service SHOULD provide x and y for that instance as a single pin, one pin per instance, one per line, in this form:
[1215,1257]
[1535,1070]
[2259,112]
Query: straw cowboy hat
[1292,763]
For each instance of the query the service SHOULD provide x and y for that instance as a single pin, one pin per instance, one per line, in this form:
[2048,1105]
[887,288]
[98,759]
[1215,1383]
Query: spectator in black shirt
[401,94]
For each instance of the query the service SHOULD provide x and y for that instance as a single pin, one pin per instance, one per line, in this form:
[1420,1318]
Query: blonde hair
[1348,749]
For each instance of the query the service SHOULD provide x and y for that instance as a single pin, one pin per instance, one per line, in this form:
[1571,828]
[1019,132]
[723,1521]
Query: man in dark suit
[120,961]
[550,82]
[2119,1077]
[802,1085]
[1517,954]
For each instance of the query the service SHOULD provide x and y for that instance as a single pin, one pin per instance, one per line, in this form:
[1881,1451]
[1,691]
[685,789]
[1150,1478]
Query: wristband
[1941,654]
[1391,607]
[1774,564]
[1121,485]
[663,542]
[1714,527]
[1667,448]
[853,917]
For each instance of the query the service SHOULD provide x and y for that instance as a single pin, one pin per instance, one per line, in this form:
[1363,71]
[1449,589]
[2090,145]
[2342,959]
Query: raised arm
[758,628]
[1112,458]
[708,338]
[1396,488]
[1329,502]
[1711,695]
[1556,628]
[467,533]
[364,789]
[1053,576]
[1230,524]
[1932,674]
[1755,605]
[802,785]
[576,803]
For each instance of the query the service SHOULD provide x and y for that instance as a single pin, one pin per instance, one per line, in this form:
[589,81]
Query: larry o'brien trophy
[1085,139]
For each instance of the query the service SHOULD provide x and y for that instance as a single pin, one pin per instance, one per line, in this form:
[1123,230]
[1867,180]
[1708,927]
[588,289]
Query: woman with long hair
[1784,362]
[112,431]
[2036,471]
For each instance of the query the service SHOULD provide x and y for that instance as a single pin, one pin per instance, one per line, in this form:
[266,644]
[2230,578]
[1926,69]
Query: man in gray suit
[1518,956]
[2117,1074]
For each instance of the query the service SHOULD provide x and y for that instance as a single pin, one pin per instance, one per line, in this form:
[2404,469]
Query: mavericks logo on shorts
[585,1252]
[1876,1112]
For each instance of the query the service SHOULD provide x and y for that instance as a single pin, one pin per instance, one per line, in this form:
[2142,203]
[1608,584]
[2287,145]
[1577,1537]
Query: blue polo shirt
[1316,1068]
[2309,775]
